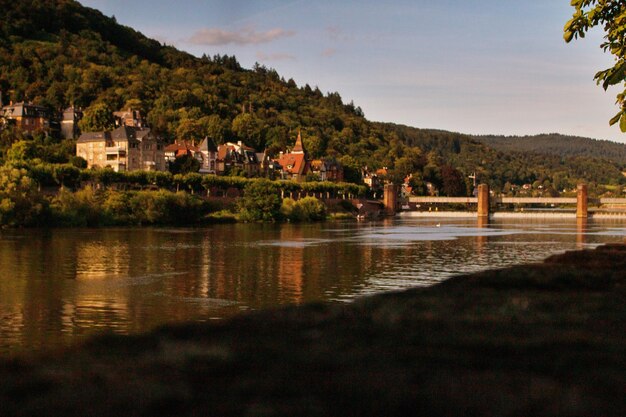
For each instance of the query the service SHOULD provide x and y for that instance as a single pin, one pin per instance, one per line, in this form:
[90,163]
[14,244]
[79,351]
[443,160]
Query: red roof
[293,163]
[222,151]
[181,148]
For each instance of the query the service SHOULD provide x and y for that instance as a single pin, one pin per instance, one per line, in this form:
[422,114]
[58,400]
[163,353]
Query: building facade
[29,118]
[123,149]
[232,156]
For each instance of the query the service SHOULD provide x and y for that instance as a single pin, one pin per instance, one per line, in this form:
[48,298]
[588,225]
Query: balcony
[115,150]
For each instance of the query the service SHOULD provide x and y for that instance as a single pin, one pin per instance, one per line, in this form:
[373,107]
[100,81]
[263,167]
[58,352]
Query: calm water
[58,286]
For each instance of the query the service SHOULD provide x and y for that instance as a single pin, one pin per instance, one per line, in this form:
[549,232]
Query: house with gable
[232,156]
[126,148]
[327,170]
[178,149]
[295,164]
[29,117]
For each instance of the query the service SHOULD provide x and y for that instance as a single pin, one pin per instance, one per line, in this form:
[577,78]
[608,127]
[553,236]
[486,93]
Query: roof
[207,145]
[224,150]
[94,137]
[124,133]
[293,163]
[181,148]
[251,157]
[317,164]
[382,171]
[142,133]
[25,110]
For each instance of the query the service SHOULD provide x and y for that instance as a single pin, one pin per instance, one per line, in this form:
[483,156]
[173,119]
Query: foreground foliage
[611,16]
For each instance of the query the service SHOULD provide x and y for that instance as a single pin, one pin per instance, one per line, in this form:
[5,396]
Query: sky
[469,66]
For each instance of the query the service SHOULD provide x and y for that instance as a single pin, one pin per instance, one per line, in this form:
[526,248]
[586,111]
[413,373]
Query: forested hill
[58,53]
[556,144]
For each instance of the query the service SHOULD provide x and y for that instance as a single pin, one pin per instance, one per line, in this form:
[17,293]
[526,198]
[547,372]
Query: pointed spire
[299,146]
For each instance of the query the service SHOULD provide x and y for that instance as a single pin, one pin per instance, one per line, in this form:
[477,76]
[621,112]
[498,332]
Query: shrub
[80,208]
[286,209]
[165,207]
[260,202]
[304,210]
[117,209]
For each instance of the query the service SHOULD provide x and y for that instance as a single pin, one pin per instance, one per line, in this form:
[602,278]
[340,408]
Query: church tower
[298,148]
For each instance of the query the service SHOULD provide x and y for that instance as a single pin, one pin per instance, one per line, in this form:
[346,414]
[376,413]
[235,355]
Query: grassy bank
[539,340]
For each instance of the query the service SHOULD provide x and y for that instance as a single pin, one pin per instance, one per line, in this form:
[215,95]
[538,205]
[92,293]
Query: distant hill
[556,144]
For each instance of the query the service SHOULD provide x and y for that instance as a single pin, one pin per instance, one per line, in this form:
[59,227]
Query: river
[59,286]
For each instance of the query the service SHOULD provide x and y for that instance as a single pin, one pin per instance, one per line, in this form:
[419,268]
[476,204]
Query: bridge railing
[484,200]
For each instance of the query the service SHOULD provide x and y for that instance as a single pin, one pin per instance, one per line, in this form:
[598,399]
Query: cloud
[274,57]
[328,52]
[336,34]
[244,36]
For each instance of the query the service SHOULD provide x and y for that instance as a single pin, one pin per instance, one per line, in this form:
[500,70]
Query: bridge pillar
[582,201]
[390,199]
[483,200]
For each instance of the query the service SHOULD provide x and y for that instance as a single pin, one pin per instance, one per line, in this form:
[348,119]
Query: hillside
[561,145]
[58,53]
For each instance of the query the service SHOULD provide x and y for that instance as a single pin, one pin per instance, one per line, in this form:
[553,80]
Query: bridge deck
[512,200]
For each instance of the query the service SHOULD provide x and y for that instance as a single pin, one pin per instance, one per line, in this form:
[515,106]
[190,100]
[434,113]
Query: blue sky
[473,66]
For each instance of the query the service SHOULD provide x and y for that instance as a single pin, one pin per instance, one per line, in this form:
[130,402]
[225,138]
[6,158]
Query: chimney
[240,143]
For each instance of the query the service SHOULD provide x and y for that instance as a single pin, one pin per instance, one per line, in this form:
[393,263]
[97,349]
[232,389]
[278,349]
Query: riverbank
[544,339]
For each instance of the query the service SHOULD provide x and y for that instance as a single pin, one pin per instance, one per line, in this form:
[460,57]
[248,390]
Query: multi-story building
[28,117]
[237,156]
[327,170]
[124,149]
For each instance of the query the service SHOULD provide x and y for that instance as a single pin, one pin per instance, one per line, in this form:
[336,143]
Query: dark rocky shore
[539,340]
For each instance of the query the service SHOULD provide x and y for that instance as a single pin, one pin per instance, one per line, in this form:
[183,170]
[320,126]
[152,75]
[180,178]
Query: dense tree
[20,202]
[184,165]
[97,117]
[610,15]
[452,183]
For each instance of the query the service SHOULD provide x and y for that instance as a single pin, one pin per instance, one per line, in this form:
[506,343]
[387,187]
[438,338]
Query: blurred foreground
[541,340]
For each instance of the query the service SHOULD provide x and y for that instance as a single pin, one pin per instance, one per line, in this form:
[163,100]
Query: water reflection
[57,286]
[581,232]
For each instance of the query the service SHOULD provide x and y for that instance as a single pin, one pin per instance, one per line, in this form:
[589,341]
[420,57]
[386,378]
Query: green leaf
[615,119]
[615,75]
[568,35]
[622,123]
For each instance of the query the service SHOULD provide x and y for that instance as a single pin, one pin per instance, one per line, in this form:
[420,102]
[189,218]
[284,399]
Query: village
[132,145]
